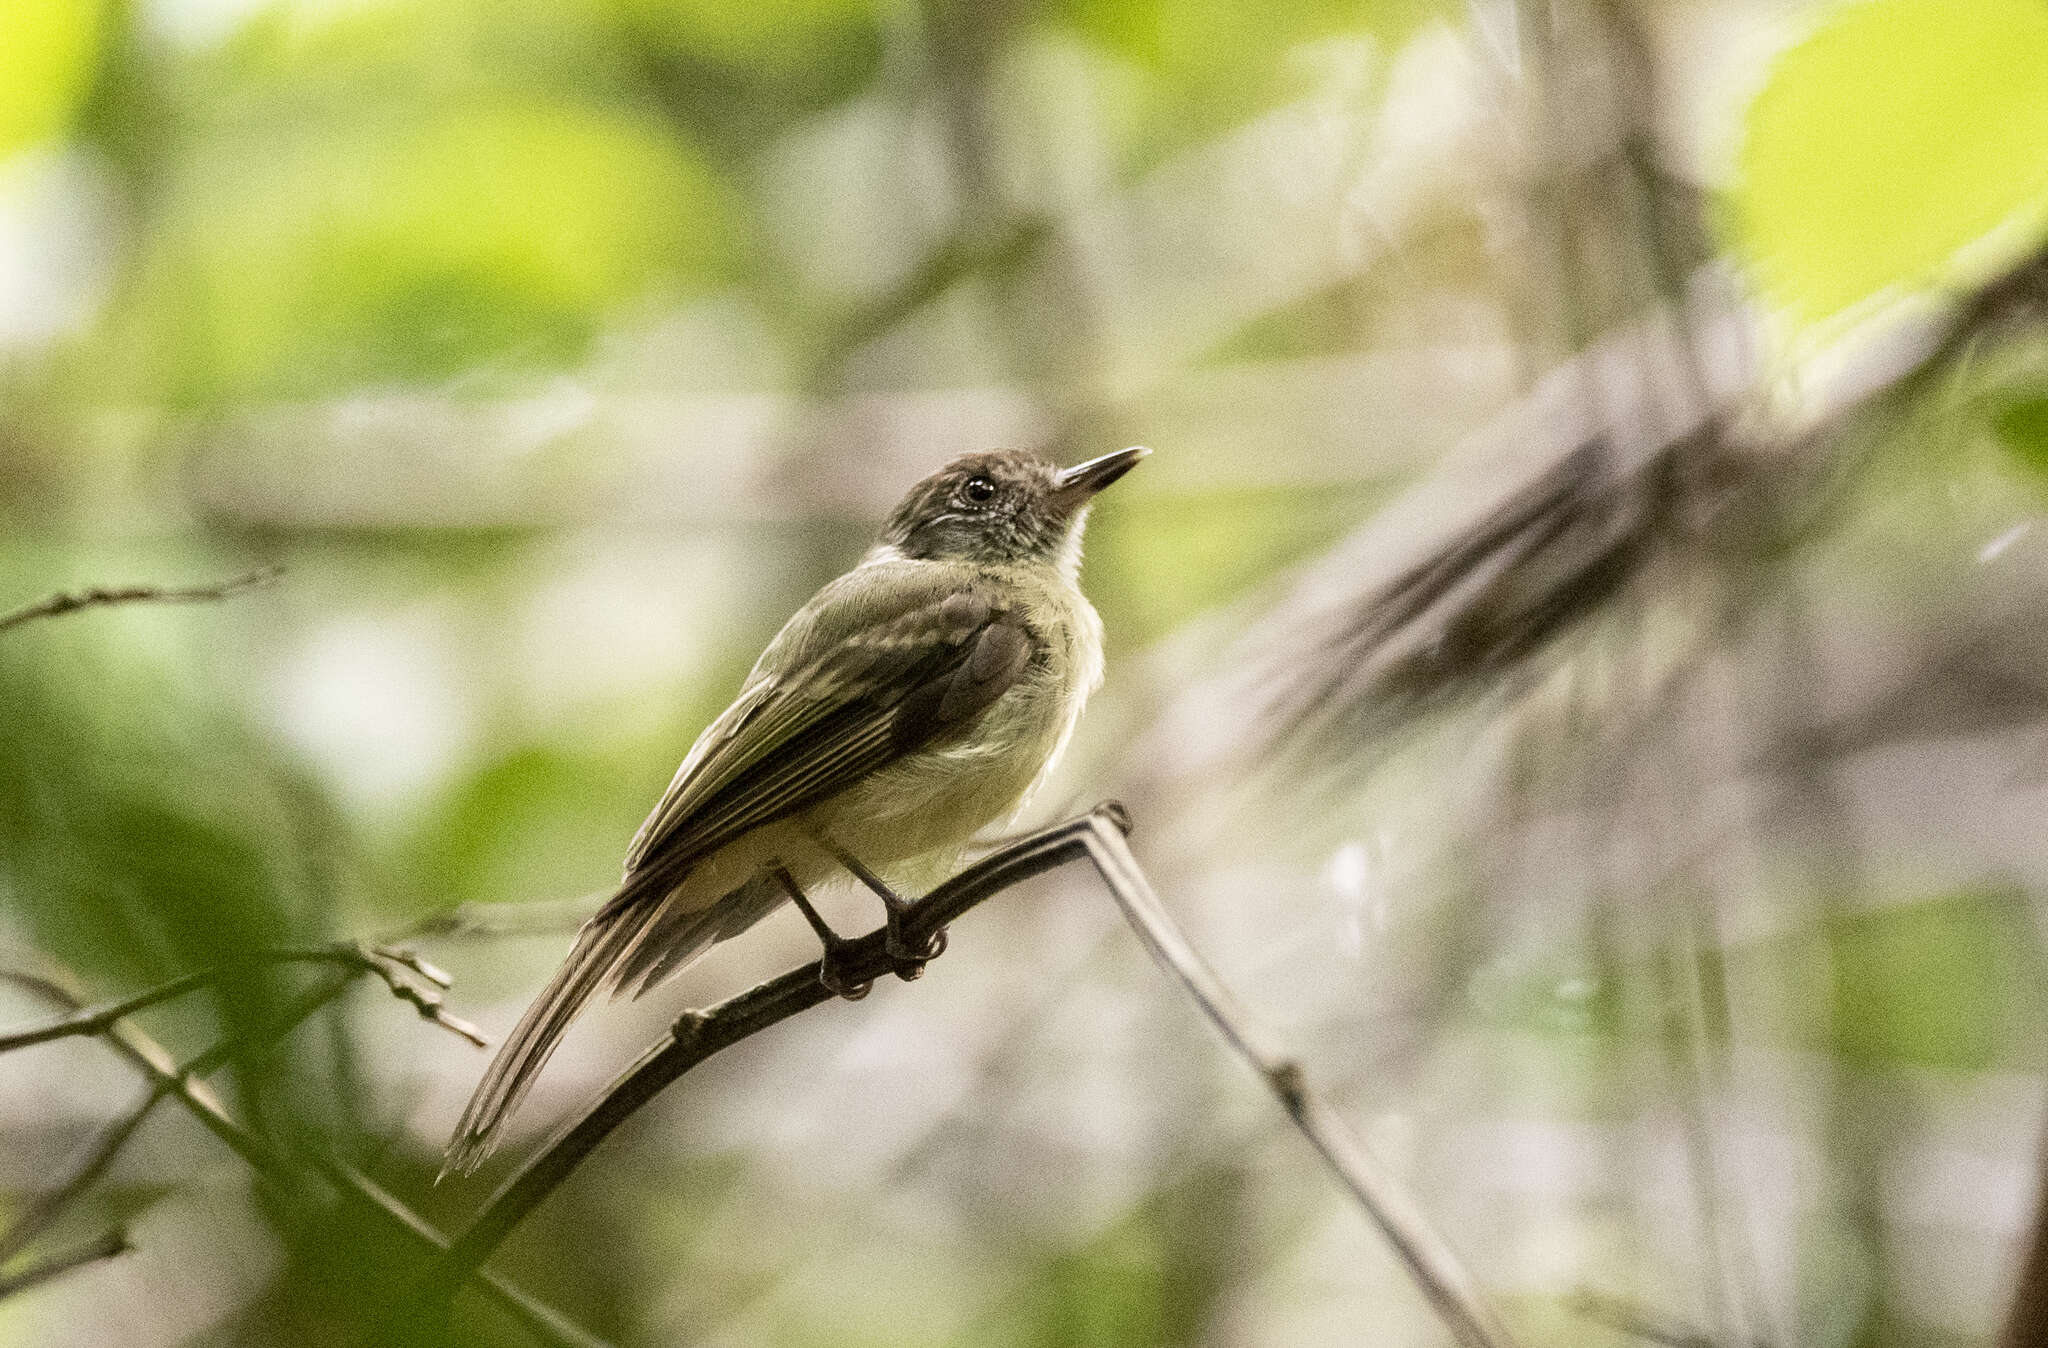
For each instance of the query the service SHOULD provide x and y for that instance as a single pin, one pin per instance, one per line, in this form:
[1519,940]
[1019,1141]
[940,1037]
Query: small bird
[912,702]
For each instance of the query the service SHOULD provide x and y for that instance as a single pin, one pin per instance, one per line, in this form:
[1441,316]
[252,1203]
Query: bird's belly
[934,800]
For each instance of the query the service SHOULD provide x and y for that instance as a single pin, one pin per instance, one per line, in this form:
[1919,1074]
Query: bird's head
[1002,506]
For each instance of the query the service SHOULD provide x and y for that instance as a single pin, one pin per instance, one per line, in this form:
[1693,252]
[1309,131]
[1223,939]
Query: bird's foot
[832,974]
[910,958]
[832,967]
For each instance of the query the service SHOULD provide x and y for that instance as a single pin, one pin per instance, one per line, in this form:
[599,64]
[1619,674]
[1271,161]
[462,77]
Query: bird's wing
[867,674]
[871,673]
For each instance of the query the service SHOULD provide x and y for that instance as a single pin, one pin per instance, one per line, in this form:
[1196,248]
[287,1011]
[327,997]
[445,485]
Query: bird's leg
[909,962]
[834,943]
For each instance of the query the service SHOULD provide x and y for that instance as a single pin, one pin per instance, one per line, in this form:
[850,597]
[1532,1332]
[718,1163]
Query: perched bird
[912,702]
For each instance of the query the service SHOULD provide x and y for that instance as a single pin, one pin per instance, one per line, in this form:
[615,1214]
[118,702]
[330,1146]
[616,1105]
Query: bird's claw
[833,976]
[910,961]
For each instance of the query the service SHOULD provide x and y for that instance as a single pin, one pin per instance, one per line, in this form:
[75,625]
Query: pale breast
[937,798]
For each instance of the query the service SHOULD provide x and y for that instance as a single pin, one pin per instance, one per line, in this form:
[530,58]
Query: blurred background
[1576,657]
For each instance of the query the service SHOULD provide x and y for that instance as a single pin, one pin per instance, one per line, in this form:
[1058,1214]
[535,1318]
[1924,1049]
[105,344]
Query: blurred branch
[108,1246]
[968,253]
[355,957]
[102,597]
[2026,1322]
[1097,836]
[1343,659]
[1628,1318]
[49,1204]
[700,1034]
[488,921]
[547,1325]
[1430,1261]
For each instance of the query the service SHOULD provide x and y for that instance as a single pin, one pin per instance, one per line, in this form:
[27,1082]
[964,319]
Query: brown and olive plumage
[911,703]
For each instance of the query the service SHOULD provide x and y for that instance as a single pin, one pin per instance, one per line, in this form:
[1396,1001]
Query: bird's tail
[633,943]
[603,941]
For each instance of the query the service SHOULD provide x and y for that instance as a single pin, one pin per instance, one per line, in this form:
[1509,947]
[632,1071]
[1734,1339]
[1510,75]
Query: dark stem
[699,1034]
[1099,838]
[103,597]
[105,1247]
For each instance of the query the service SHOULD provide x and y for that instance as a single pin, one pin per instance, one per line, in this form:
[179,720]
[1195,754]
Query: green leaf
[1949,983]
[1903,145]
[1209,65]
[2023,427]
[779,38]
[47,49]
[412,247]
[537,823]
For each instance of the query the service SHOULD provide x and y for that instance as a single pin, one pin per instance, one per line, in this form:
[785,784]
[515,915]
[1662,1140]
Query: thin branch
[700,1034]
[377,960]
[50,1203]
[547,1324]
[543,1321]
[104,596]
[108,1246]
[1097,836]
[95,1020]
[1429,1259]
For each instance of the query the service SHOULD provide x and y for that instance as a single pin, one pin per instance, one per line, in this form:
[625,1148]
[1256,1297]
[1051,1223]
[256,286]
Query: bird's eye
[978,490]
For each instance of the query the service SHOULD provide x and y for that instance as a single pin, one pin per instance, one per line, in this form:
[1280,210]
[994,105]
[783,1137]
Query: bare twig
[1097,836]
[700,1034]
[104,596]
[48,1204]
[547,1325]
[357,958]
[1429,1259]
[108,1246]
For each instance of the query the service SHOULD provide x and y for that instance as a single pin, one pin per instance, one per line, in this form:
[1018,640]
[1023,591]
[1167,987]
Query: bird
[908,705]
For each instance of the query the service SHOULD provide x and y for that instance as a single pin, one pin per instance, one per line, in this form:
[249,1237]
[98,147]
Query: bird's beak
[1077,484]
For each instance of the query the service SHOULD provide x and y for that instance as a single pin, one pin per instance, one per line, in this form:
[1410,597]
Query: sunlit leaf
[508,231]
[1904,144]
[46,58]
[1219,63]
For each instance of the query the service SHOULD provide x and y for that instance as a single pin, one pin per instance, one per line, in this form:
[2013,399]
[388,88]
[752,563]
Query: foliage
[558,348]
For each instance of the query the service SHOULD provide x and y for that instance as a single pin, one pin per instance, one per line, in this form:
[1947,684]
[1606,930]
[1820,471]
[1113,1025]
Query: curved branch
[1097,836]
[699,1034]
